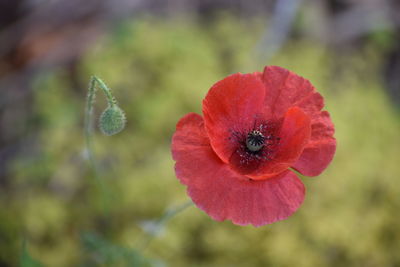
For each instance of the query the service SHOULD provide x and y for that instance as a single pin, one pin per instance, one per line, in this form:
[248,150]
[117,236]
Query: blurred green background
[160,64]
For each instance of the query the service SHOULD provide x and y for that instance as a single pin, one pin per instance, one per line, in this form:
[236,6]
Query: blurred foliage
[159,71]
[107,254]
[26,260]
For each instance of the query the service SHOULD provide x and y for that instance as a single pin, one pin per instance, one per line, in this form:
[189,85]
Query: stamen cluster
[259,144]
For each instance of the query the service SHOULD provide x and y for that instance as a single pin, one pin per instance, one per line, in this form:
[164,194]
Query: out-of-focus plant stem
[88,135]
[160,223]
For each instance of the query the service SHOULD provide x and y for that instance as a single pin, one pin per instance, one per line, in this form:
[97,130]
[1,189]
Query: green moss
[160,70]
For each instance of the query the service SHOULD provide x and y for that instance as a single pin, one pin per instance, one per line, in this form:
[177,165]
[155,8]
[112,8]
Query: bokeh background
[160,58]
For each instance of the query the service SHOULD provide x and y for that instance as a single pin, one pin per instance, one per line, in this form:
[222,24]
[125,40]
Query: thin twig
[159,224]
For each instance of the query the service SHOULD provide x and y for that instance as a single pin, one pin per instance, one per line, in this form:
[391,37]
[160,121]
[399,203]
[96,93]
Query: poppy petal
[231,105]
[285,89]
[221,192]
[294,135]
[189,138]
[321,148]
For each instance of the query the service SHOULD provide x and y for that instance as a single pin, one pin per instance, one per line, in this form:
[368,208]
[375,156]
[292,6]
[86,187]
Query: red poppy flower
[237,159]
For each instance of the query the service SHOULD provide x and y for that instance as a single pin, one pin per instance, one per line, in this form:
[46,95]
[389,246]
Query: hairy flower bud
[112,120]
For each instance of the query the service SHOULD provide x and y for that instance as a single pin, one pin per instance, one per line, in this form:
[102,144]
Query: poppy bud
[112,120]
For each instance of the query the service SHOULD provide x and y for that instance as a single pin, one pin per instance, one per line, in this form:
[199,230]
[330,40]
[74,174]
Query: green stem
[161,222]
[89,122]
[110,98]
[89,130]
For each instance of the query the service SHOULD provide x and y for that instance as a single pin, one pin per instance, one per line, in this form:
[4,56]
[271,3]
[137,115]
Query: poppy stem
[88,126]
[159,224]
[107,92]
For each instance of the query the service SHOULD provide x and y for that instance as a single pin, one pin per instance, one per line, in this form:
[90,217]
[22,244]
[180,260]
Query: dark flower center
[255,141]
[255,146]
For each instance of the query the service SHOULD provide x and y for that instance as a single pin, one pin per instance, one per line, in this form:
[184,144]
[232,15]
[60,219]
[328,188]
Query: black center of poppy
[255,141]
[254,146]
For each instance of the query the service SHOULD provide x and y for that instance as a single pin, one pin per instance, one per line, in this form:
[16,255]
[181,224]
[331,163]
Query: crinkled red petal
[221,192]
[286,89]
[321,148]
[231,105]
[294,136]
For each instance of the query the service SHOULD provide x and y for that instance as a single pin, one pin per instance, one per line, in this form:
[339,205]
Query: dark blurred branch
[360,20]
[281,23]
